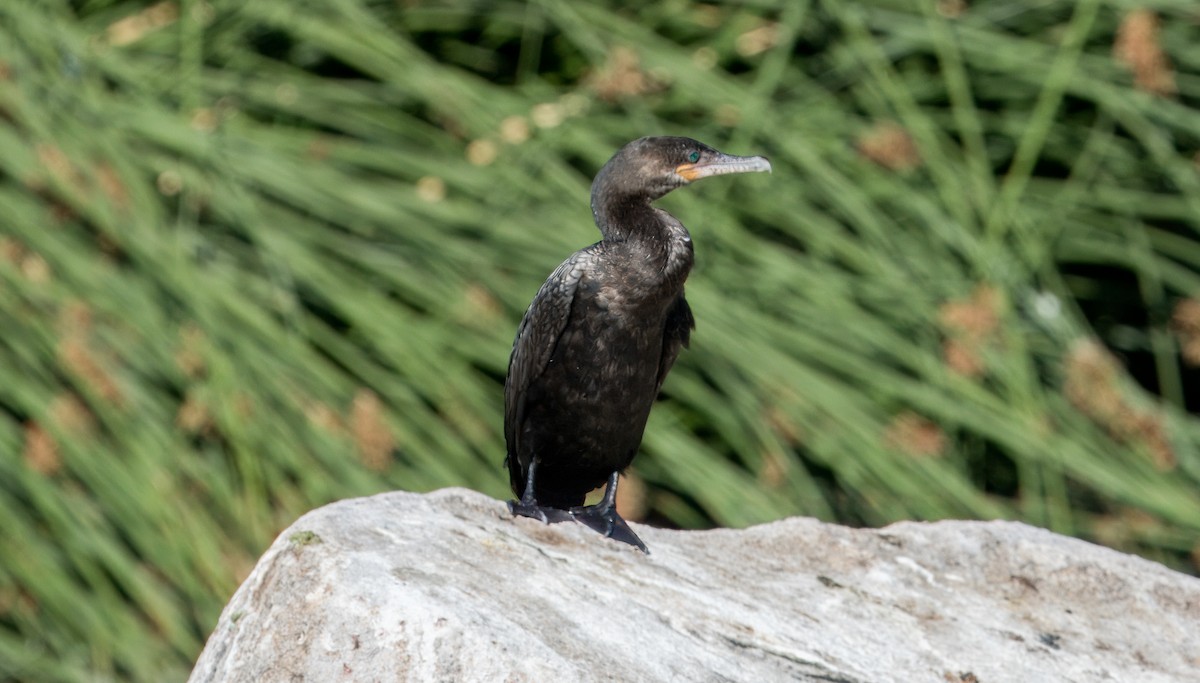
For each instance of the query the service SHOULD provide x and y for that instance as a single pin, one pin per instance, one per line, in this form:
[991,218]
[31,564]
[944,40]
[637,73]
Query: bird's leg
[603,517]
[528,505]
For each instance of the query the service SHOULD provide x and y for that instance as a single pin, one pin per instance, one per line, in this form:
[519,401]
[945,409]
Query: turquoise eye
[694,157]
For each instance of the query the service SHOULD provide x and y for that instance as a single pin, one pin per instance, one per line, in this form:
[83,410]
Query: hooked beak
[722,164]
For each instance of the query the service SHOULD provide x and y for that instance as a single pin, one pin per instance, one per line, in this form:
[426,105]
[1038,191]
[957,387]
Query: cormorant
[600,336]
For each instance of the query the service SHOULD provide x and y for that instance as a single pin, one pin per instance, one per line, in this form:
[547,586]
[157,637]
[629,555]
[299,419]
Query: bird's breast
[609,357]
[642,278]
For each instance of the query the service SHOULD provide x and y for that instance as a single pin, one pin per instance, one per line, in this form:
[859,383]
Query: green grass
[269,255]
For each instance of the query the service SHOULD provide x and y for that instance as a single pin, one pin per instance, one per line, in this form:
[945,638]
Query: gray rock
[448,587]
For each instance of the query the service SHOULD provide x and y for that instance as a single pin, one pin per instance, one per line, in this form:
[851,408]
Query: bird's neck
[661,246]
[628,219]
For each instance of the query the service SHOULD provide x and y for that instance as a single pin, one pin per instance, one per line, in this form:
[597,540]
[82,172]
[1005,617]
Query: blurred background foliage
[257,257]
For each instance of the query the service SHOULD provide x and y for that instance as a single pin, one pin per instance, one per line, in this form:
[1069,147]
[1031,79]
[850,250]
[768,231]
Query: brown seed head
[1185,323]
[621,76]
[372,437]
[40,450]
[1138,47]
[889,145]
[915,435]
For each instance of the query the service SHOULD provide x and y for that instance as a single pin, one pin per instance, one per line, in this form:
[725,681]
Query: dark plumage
[600,336]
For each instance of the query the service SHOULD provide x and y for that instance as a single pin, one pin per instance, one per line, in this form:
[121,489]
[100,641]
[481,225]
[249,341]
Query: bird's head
[653,166]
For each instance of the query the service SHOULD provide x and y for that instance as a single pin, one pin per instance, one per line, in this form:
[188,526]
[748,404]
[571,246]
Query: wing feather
[676,335]
[535,342]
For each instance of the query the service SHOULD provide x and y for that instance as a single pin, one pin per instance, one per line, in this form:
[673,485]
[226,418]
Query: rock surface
[448,587]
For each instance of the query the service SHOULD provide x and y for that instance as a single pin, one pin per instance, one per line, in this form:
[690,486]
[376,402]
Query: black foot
[604,518]
[548,515]
[528,506]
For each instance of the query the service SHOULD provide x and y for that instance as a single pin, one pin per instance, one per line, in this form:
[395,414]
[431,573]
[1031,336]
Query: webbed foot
[603,517]
[609,523]
[528,505]
[531,509]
